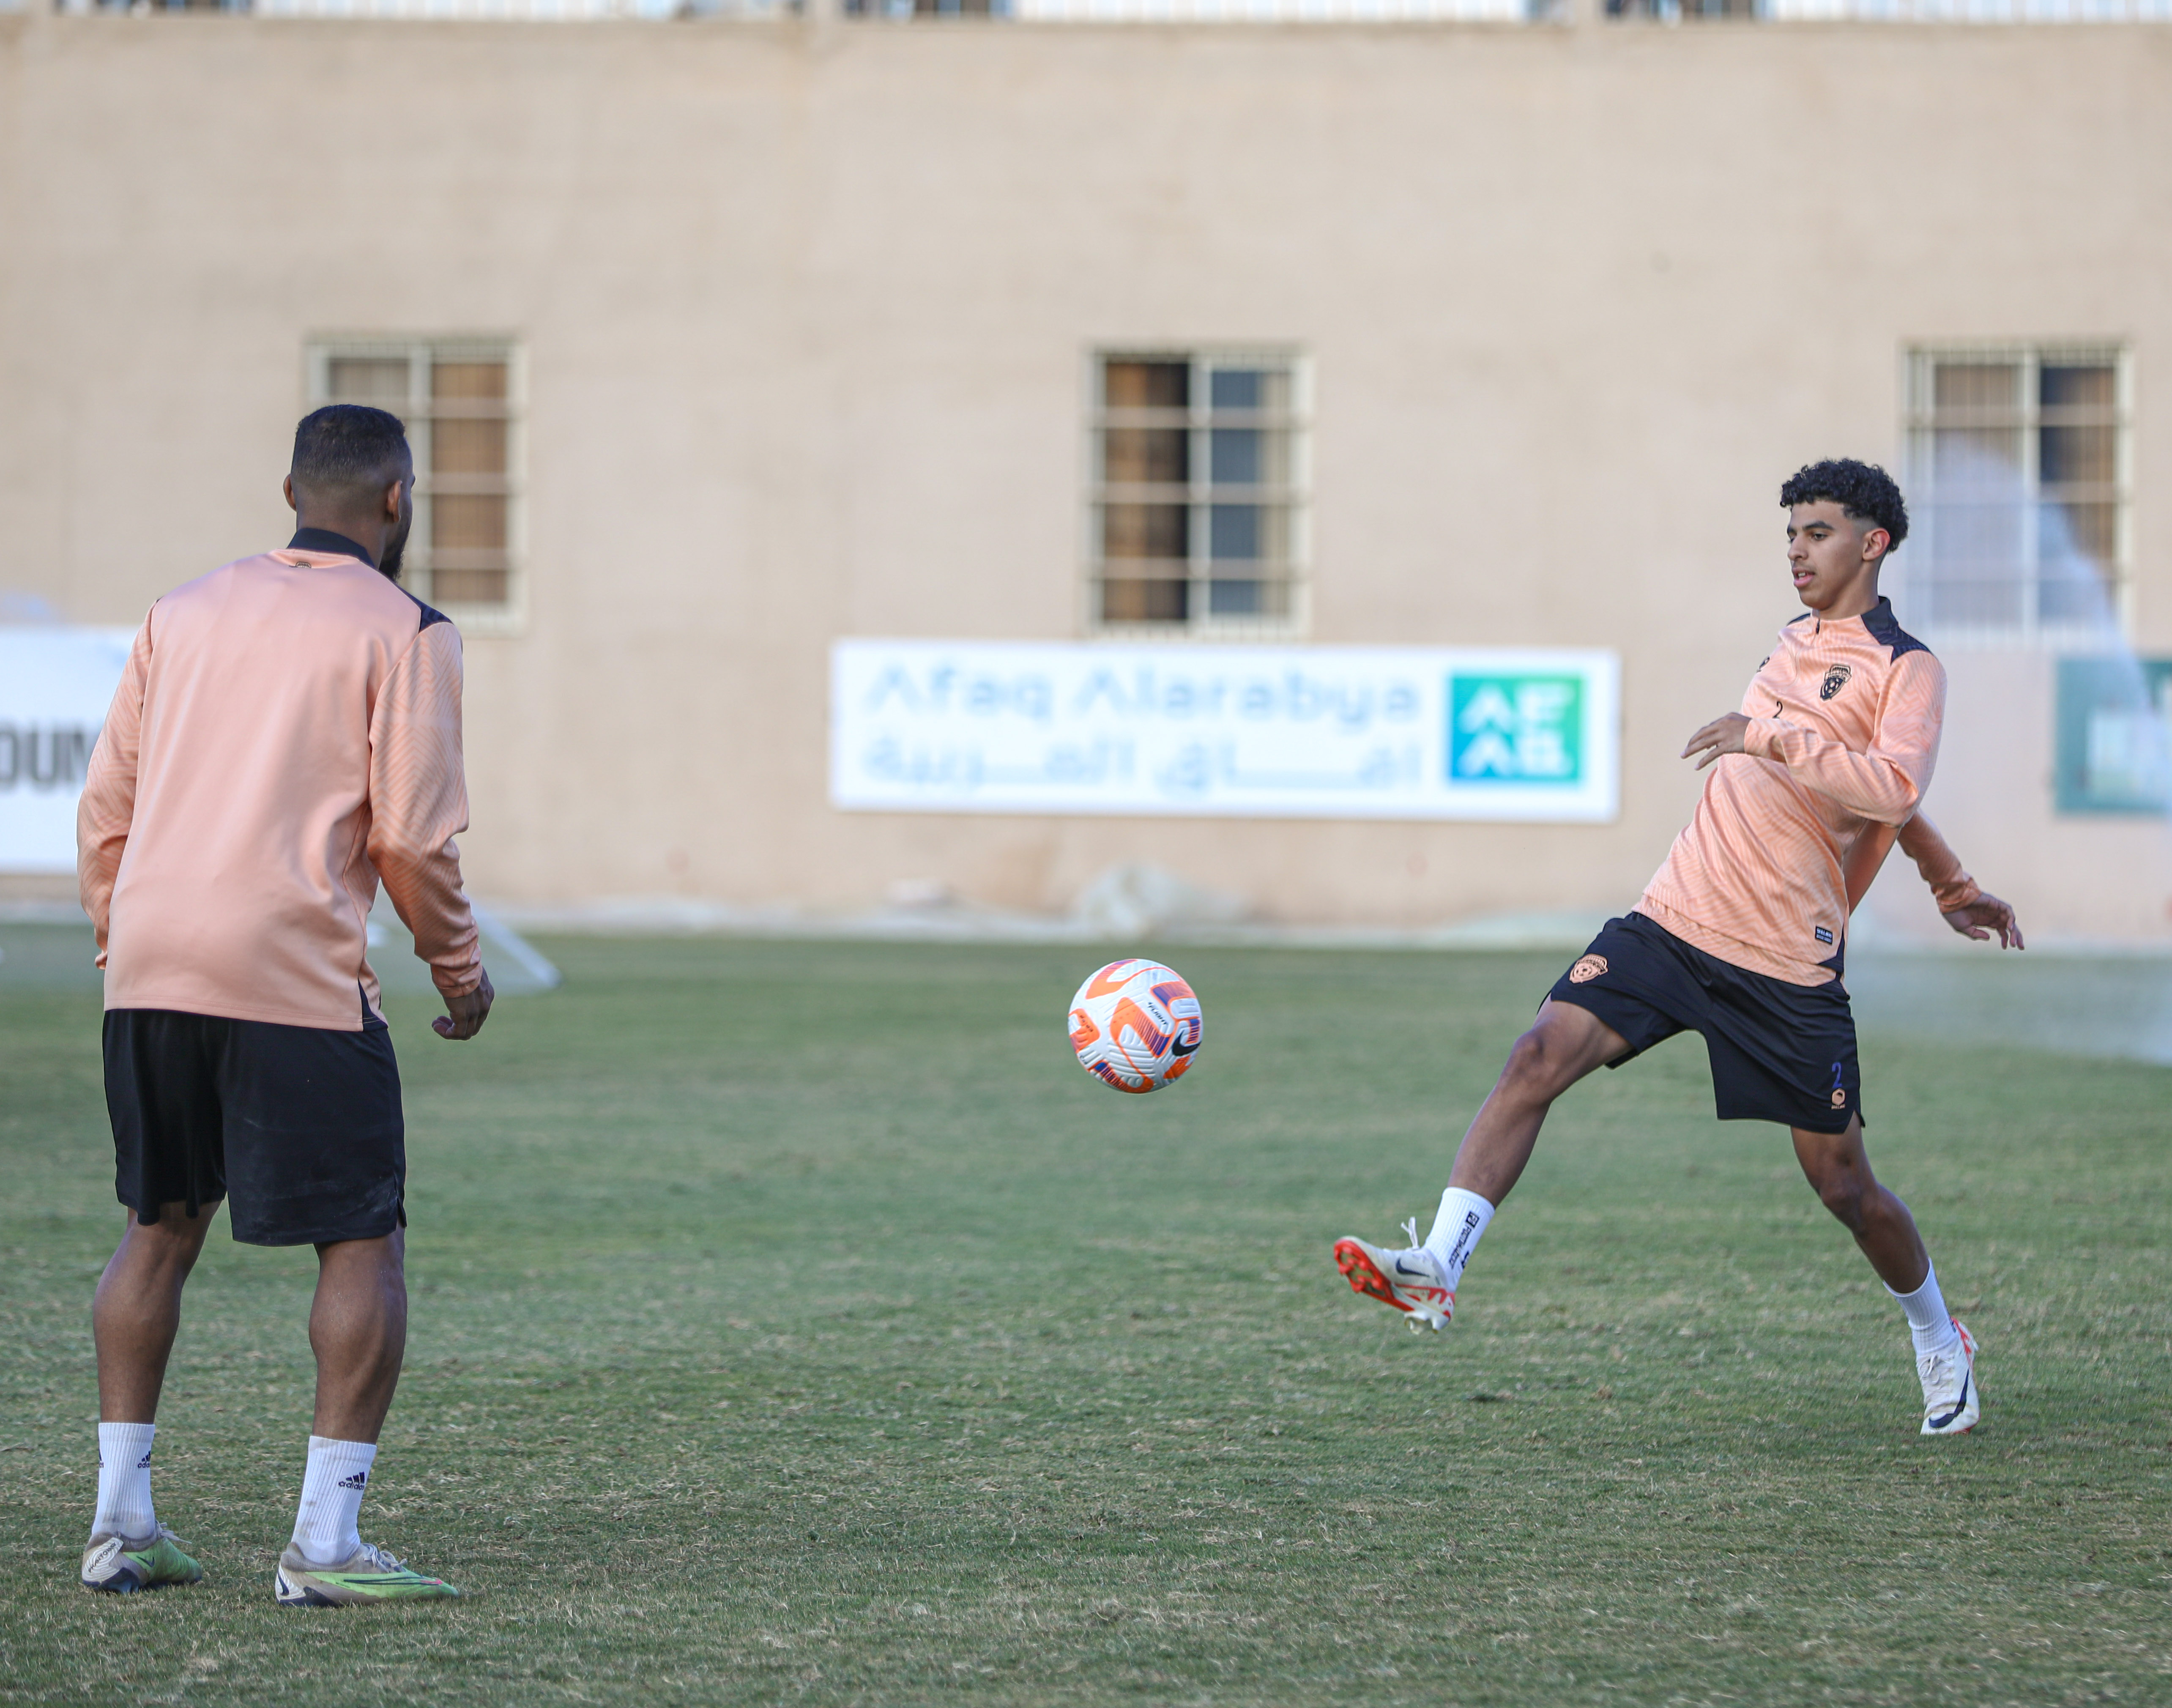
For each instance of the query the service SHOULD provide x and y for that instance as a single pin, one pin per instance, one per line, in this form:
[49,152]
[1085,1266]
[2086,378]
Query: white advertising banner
[54,685]
[1239,731]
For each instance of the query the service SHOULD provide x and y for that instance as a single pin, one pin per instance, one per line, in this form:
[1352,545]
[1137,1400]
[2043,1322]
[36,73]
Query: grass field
[794,1323]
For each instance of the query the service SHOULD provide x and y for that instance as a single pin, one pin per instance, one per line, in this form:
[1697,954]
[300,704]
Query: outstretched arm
[1968,908]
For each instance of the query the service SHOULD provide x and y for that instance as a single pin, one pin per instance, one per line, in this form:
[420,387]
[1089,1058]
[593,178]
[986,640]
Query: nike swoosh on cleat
[1960,1406]
[1402,1268]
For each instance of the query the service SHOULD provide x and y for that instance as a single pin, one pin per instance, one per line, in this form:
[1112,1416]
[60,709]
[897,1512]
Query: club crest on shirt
[1836,679]
[1585,970]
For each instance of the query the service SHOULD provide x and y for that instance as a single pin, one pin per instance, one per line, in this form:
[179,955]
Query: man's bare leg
[134,1317]
[1838,1169]
[1565,1043]
[358,1331]
[136,1310]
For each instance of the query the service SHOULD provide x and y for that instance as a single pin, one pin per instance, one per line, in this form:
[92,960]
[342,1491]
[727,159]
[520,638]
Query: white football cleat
[1409,1277]
[1952,1402]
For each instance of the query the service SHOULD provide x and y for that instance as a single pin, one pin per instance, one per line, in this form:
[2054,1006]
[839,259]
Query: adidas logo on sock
[144,1464]
[360,1479]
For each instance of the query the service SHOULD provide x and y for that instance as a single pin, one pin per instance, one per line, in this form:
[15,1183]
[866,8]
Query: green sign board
[2114,735]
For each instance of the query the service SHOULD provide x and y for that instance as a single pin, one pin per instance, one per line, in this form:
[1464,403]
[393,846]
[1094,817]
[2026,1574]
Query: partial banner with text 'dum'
[54,685]
[1241,732]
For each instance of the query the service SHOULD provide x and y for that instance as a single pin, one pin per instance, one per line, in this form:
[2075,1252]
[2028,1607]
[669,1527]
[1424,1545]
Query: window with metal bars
[926,9]
[460,400]
[2019,490]
[1680,11]
[1196,517]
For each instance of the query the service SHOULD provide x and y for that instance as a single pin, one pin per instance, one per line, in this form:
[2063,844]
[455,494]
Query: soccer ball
[1136,1025]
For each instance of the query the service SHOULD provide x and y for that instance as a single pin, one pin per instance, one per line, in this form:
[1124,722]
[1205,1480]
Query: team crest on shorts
[1836,679]
[1585,970]
[1839,1097]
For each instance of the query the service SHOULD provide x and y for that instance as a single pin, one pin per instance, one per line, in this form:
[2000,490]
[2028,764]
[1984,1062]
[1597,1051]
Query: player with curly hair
[1742,934]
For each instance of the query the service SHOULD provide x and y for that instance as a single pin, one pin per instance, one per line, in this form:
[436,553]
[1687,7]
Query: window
[1197,520]
[1676,11]
[461,399]
[2017,472]
[926,8]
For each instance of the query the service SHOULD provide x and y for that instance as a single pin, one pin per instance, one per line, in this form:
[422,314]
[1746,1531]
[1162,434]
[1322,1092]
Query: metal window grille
[461,400]
[1197,518]
[926,8]
[1685,11]
[2019,482]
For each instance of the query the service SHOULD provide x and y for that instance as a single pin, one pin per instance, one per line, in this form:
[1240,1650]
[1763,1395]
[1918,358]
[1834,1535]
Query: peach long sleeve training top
[1844,724]
[287,733]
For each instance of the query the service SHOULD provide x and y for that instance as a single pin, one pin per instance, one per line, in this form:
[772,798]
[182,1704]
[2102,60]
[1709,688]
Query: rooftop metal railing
[452,11]
[1972,11]
[1624,12]
[1270,11]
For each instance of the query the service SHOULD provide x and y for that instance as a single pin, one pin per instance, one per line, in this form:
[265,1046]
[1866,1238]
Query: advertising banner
[54,685]
[1236,730]
[2113,736]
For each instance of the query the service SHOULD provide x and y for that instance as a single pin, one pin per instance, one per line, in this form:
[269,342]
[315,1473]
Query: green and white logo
[1520,729]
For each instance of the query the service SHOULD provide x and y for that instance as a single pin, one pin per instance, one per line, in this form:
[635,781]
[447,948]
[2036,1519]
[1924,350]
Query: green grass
[796,1323]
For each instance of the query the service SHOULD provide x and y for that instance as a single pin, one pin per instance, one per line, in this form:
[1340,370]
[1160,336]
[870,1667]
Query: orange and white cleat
[1408,1277]
[1952,1402]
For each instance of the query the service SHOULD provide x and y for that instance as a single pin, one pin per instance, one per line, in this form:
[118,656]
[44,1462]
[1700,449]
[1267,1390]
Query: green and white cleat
[120,1567]
[1952,1402]
[369,1575]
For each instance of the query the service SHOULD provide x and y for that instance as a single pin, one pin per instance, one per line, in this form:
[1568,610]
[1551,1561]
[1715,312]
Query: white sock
[1463,1217]
[327,1530]
[1929,1321]
[124,1481]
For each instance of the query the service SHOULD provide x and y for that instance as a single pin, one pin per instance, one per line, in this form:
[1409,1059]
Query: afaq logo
[1515,729]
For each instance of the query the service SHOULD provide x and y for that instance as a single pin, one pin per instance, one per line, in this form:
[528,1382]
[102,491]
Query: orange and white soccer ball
[1136,1025]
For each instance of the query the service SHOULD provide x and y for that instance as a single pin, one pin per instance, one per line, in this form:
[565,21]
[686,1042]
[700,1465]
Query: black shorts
[298,1126]
[1780,1052]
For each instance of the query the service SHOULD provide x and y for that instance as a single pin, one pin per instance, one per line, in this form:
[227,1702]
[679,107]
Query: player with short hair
[1741,936]
[286,736]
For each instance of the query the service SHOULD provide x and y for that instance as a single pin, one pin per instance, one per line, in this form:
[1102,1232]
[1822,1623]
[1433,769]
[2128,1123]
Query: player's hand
[463,1015]
[1723,735]
[1983,918]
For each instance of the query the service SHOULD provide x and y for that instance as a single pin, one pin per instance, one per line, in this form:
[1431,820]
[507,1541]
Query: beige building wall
[807,309]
